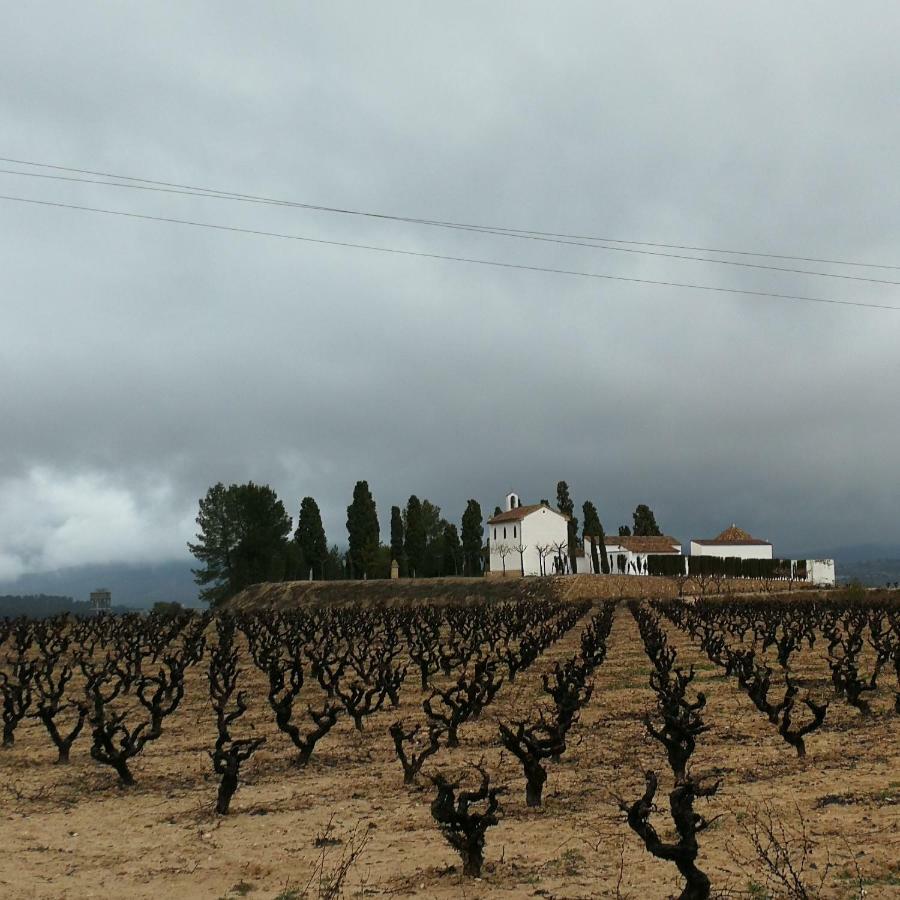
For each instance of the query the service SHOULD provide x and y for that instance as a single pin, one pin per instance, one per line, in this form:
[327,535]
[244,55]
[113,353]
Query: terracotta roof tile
[649,544]
[515,515]
[733,535]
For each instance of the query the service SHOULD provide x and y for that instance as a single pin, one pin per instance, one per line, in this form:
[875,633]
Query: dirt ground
[71,832]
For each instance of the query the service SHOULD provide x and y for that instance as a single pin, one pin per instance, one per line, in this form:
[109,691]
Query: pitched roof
[515,515]
[733,535]
[649,544]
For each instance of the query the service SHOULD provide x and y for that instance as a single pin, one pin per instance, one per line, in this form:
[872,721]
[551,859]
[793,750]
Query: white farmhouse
[732,541]
[528,540]
[628,554]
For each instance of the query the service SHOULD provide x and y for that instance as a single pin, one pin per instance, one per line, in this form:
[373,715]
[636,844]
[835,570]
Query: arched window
[495,532]
[504,534]
[514,530]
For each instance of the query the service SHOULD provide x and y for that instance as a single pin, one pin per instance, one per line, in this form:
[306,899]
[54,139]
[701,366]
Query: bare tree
[542,551]
[562,549]
[782,852]
[520,548]
[503,550]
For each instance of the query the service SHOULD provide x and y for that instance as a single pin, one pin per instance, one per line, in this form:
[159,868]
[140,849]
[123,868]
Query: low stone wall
[656,587]
[494,588]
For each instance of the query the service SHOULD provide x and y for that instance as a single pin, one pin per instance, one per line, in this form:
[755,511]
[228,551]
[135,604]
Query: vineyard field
[345,823]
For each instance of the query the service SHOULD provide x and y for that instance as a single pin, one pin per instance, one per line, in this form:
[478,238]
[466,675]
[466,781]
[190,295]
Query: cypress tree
[452,550]
[472,538]
[310,537]
[362,530]
[416,538]
[594,528]
[645,522]
[397,548]
[565,505]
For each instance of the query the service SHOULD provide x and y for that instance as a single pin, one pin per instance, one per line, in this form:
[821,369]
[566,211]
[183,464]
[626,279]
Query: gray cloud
[142,362]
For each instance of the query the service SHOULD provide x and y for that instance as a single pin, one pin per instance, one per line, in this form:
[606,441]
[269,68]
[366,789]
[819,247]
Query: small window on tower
[504,534]
[514,530]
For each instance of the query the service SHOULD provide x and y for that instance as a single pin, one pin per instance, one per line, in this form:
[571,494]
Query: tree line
[644,526]
[245,537]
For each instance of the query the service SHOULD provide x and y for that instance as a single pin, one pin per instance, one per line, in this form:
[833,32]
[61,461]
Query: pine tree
[645,522]
[397,546]
[472,538]
[310,537]
[565,505]
[242,539]
[624,531]
[416,539]
[362,531]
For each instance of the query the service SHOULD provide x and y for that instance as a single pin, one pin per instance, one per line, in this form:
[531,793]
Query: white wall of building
[543,527]
[743,551]
[820,572]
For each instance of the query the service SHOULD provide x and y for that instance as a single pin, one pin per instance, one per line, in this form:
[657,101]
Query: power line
[462,259]
[439,223]
[470,228]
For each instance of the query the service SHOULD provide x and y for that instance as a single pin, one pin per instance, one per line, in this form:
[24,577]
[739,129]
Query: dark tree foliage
[594,528]
[242,539]
[362,531]
[452,550]
[398,545]
[624,531]
[463,828]
[567,506]
[310,537]
[472,538]
[335,564]
[416,537]
[645,522]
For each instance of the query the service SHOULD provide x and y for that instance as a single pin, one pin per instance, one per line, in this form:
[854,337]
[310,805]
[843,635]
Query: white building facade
[528,540]
[732,542]
[627,555]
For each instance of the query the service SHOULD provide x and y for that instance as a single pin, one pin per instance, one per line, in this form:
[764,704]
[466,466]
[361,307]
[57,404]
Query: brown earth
[71,832]
[495,588]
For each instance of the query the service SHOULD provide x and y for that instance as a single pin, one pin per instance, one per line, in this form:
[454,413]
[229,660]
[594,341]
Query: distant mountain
[870,572]
[852,554]
[132,585]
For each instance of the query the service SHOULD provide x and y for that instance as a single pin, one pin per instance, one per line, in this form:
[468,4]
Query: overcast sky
[142,362]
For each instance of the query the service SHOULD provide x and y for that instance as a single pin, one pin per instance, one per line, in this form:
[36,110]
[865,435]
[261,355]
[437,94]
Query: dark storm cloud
[142,362]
